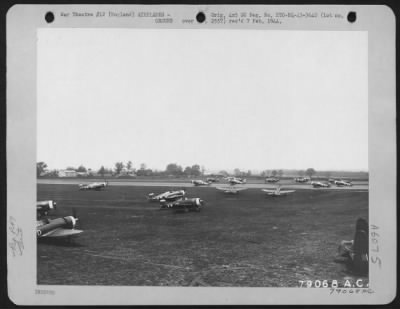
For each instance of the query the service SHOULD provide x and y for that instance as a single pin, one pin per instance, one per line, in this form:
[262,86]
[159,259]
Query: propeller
[75,214]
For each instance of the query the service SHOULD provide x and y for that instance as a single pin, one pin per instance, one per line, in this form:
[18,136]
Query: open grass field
[244,240]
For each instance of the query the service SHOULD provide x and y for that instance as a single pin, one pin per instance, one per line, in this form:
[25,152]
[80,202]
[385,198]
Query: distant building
[67,173]
[127,172]
[82,174]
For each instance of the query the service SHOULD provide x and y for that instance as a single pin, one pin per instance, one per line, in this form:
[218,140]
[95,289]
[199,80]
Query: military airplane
[302,179]
[277,191]
[54,228]
[212,179]
[319,184]
[231,189]
[94,186]
[271,179]
[200,183]
[169,196]
[236,180]
[185,204]
[43,207]
[57,228]
[342,183]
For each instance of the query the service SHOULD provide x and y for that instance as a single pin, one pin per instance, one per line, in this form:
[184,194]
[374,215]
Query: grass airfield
[244,240]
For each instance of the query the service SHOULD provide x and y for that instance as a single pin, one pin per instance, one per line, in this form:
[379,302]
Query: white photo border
[23,21]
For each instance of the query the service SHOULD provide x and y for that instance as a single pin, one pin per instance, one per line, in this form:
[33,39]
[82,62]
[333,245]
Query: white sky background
[225,99]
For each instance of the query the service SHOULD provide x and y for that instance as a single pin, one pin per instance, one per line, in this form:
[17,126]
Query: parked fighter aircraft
[186,204]
[212,179]
[169,196]
[318,184]
[277,191]
[43,207]
[200,183]
[231,189]
[57,228]
[236,180]
[94,186]
[271,179]
[342,183]
[301,179]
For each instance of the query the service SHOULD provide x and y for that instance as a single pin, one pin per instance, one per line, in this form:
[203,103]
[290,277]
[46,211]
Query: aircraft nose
[74,221]
[71,221]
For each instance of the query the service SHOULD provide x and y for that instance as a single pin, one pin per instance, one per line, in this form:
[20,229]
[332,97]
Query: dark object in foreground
[44,207]
[354,253]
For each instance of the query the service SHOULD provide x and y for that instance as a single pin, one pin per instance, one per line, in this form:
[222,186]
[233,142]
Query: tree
[188,171]
[52,173]
[108,171]
[129,165]
[143,166]
[144,172]
[173,169]
[40,168]
[203,170]
[81,169]
[266,173]
[70,168]
[237,172]
[310,172]
[248,173]
[118,167]
[223,173]
[196,170]
[301,173]
[102,171]
[274,173]
[280,173]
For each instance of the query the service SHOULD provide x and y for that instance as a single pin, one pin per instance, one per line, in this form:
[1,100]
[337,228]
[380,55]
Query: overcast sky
[225,99]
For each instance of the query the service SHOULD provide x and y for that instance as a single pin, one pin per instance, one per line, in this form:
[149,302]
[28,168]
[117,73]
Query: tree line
[121,168]
[310,172]
[172,169]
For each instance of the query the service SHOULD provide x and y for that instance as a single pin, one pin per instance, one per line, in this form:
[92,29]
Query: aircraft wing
[239,189]
[287,191]
[60,233]
[222,189]
[227,189]
[269,191]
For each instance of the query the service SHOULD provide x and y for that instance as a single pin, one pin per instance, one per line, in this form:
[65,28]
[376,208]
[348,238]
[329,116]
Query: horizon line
[215,170]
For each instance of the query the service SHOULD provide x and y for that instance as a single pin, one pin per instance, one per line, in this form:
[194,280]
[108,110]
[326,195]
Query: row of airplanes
[64,227]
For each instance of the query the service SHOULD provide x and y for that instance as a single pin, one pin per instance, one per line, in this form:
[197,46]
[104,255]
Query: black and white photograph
[234,155]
